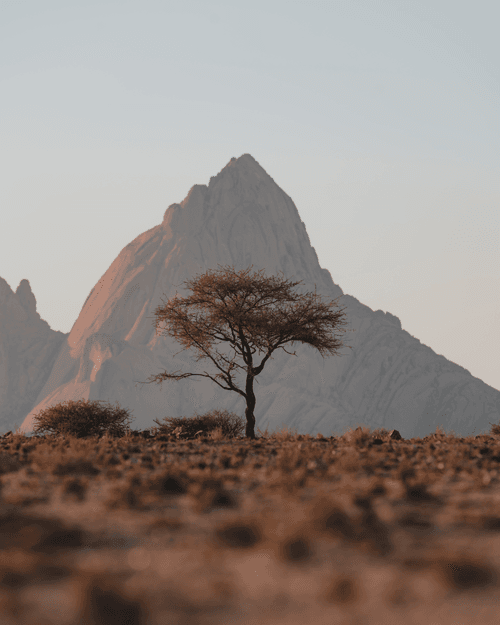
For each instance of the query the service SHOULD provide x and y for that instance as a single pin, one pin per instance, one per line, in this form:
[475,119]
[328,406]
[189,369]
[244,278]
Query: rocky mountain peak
[26,297]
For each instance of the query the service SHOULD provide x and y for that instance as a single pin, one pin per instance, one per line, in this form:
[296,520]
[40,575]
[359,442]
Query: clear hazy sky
[380,118]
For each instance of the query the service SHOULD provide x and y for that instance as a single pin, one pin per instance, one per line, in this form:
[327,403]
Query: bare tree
[250,312]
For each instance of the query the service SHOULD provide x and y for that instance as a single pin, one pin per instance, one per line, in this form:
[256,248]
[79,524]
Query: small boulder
[395,435]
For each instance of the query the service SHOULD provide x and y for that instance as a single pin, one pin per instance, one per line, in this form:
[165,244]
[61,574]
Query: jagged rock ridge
[28,350]
[389,379]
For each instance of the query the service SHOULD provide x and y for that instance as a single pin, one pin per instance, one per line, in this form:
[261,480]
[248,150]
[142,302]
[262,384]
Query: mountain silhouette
[242,218]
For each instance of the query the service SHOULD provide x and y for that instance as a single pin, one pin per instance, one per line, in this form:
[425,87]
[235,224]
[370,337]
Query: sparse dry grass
[355,528]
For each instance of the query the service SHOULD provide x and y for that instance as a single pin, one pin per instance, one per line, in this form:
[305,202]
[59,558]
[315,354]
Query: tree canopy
[251,313]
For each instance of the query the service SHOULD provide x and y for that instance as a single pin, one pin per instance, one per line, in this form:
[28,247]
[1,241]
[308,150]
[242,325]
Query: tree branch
[162,377]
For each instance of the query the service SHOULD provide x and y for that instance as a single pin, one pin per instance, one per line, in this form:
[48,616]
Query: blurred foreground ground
[352,529]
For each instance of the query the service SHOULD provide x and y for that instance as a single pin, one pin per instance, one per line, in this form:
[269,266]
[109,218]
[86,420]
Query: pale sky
[379,118]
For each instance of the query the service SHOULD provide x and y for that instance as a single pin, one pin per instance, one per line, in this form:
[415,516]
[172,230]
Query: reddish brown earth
[357,528]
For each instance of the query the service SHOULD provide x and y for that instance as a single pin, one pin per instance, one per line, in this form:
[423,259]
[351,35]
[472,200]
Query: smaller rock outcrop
[395,435]
[28,349]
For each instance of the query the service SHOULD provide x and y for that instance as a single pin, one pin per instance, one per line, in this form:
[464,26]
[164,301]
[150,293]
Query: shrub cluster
[85,418]
[82,418]
[230,424]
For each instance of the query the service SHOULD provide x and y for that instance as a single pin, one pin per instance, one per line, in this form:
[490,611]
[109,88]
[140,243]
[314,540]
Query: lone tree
[250,312]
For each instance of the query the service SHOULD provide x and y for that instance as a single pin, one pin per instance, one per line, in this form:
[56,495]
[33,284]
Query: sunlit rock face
[28,350]
[242,218]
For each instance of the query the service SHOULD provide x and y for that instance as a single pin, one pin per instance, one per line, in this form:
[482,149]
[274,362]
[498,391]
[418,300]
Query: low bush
[82,418]
[230,424]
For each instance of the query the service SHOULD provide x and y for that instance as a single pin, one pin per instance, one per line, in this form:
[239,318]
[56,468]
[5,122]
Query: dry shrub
[82,418]
[441,435]
[229,423]
[217,434]
[282,435]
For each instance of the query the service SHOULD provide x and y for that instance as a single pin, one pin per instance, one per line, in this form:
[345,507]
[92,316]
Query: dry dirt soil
[355,529]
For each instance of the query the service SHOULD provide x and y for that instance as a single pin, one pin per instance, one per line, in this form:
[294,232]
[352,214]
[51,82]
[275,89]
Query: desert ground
[149,528]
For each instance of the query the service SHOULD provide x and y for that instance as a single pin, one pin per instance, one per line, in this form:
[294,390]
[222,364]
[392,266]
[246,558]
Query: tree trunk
[250,417]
